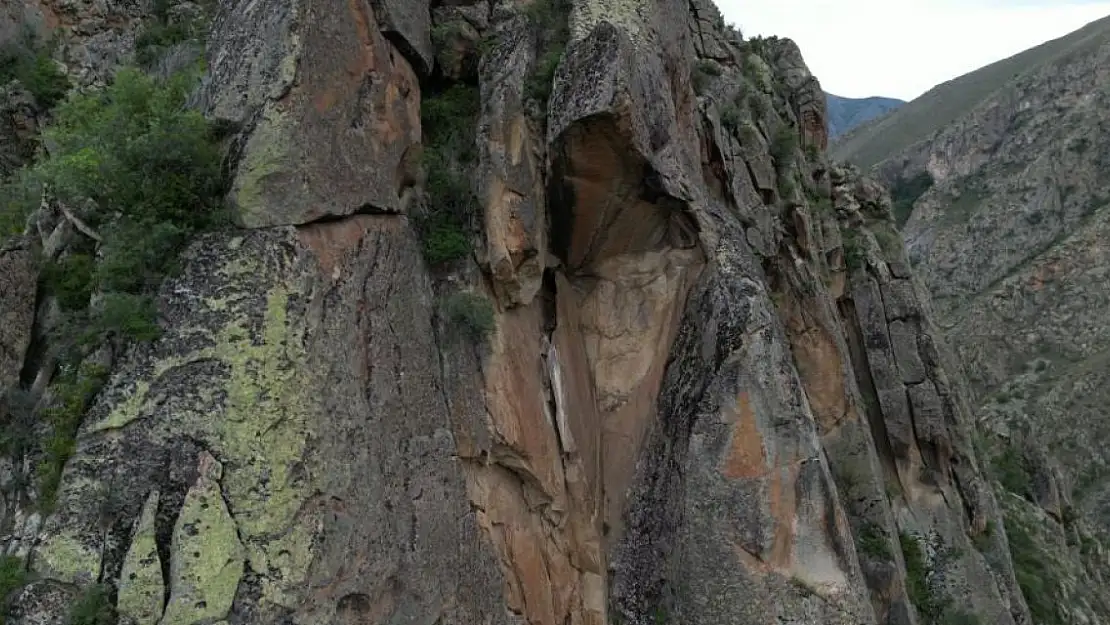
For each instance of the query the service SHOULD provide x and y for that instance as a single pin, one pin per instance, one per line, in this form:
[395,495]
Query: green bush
[783,147]
[71,280]
[1013,472]
[140,168]
[1035,573]
[472,313]
[550,23]
[905,192]
[540,82]
[125,314]
[731,118]
[35,70]
[982,540]
[757,105]
[449,119]
[929,606]
[854,255]
[872,542]
[13,576]
[93,607]
[161,33]
[704,73]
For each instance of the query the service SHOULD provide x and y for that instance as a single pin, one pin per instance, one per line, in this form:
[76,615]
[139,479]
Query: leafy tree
[142,170]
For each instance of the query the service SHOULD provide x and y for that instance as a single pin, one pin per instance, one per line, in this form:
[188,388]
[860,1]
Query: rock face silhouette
[682,374]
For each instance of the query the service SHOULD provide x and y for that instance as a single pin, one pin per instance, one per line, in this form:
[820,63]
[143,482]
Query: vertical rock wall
[711,394]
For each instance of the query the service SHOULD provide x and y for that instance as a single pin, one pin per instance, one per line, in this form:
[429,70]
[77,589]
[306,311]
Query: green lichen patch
[265,155]
[141,590]
[207,559]
[65,557]
[265,425]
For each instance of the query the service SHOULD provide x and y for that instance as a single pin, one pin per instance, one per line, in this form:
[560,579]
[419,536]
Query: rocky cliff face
[683,373]
[1006,221]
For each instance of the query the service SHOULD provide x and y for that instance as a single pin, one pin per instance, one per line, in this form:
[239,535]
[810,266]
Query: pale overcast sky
[902,48]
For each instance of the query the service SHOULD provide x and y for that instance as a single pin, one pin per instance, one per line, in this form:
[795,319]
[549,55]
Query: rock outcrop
[709,391]
[1006,218]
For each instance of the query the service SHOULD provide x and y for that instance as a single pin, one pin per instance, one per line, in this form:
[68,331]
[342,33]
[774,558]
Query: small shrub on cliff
[161,32]
[93,607]
[472,313]
[731,118]
[550,23]
[704,73]
[929,606]
[70,279]
[1013,472]
[13,575]
[783,147]
[905,192]
[35,70]
[449,119]
[1035,573]
[873,542]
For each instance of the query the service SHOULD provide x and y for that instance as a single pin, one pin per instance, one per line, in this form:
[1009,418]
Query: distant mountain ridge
[848,113]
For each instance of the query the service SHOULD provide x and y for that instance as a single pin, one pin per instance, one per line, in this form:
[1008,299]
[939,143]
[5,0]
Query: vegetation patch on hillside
[29,61]
[905,192]
[1035,572]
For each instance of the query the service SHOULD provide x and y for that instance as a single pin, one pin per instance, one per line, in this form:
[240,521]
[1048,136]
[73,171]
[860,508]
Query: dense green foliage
[1012,470]
[873,542]
[139,175]
[142,171]
[93,607]
[905,192]
[472,313]
[449,119]
[35,70]
[1035,575]
[13,575]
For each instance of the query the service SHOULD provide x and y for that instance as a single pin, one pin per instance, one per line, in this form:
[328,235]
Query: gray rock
[330,108]
[18,287]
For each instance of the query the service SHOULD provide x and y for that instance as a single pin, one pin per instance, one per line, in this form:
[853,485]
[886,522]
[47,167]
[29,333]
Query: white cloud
[902,48]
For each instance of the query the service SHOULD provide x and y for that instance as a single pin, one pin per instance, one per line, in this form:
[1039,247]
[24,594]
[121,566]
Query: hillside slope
[893,135]
[848,113]
[1007,214]
[514,314]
